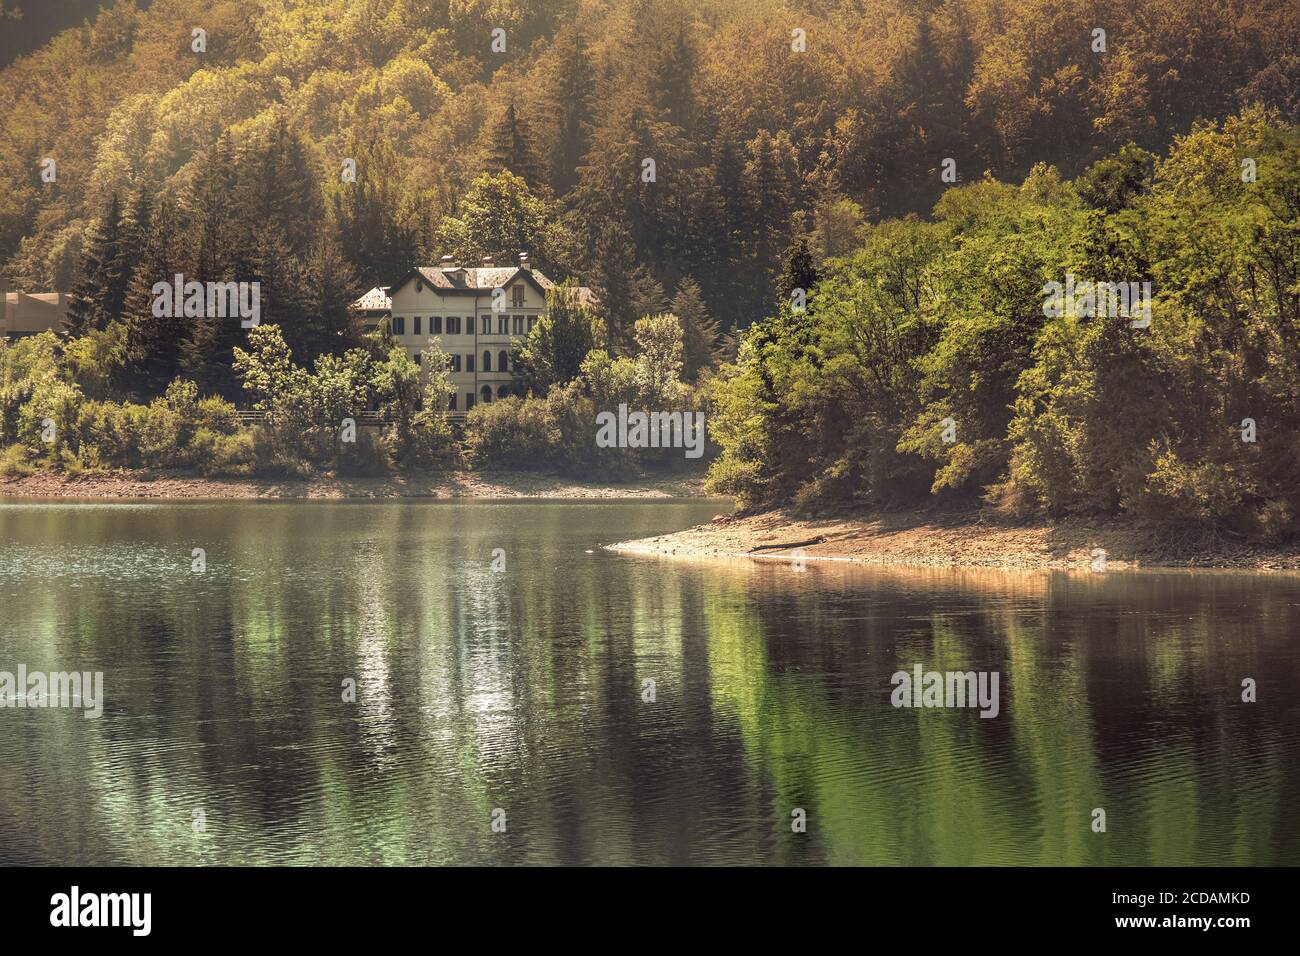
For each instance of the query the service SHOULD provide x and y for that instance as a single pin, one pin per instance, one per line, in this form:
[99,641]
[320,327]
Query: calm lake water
[523,691]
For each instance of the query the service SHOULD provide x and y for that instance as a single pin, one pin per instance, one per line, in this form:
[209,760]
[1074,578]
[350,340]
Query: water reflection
[524,691]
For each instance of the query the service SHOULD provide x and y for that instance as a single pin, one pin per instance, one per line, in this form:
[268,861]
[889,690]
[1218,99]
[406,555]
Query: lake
[578,706]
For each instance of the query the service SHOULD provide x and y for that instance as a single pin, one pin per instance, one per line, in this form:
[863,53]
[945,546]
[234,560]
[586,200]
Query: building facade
[475,315]
[23,313]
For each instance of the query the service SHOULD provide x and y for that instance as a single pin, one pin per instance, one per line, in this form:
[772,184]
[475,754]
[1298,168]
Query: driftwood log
[788,544]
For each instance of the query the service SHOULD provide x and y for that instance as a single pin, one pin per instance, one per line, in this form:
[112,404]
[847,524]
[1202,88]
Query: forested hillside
[758,133]
[930,362]
[918,171]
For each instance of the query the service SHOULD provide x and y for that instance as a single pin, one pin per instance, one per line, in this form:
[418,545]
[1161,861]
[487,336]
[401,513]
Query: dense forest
[758,133]
[861,150]
[930,362]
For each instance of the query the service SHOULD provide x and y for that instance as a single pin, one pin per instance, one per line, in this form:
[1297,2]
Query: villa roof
[376,300]
[476,280]
[481,280]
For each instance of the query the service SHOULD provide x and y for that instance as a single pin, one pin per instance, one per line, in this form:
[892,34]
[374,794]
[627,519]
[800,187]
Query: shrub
[113,431]
[14,461]
[511,433]
[364,458]
[272,458]
[161,436]
[215,453]
[216,414]
[573,416]
[425,444]
[1276,522]
[53,403]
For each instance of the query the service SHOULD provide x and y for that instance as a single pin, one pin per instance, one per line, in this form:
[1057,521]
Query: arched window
[486,392]
[487,361]
[503,391]
[503,361]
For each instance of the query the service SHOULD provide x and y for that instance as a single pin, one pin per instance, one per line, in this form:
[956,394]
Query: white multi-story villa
[474,314]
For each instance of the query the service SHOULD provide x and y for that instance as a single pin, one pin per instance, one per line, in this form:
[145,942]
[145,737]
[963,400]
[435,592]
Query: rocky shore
[967,539]
[461,484]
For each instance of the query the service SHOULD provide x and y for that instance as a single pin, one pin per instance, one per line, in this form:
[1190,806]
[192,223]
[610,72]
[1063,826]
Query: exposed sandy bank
[958,540]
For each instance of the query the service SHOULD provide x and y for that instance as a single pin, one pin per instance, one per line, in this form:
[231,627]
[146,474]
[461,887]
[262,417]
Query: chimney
[487,262]
[523,261]
[448,262]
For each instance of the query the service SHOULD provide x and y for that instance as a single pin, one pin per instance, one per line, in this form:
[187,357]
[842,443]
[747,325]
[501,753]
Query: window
[453,325]
[519,325]
[503,325]
[469,362]
[503,361]
[419,358]
[399,325]
[487,361]
[487,393]
[487,325]
[455,363]
[435,325]
[531,320]
[416,329]
[518,293]
[469,400]
[451,403]
[502,391]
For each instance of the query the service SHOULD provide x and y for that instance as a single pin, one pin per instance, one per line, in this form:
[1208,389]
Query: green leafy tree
[658,361]
[555,348]
[277,386]
[1111,184]
[498,217]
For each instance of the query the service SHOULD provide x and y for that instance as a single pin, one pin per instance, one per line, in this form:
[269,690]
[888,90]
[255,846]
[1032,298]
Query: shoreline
[159,486]
[971,539]
[963,539]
